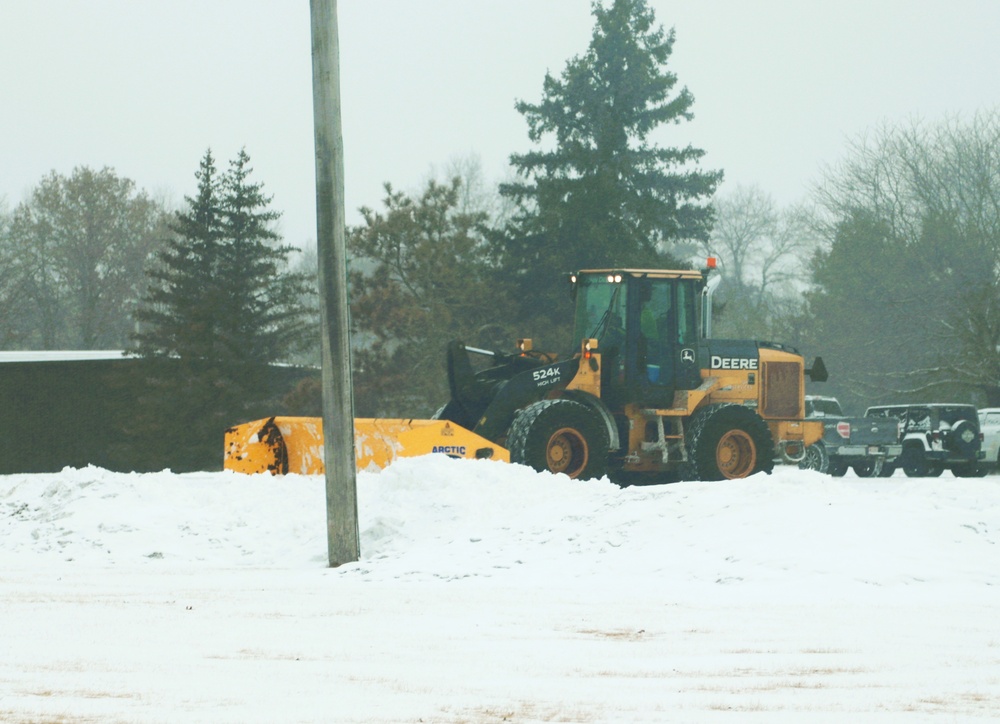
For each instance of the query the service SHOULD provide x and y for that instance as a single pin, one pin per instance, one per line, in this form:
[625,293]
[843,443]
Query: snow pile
[436,518]
[489,593]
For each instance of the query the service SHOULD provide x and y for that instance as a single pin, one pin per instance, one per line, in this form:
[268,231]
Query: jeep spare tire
[963,439]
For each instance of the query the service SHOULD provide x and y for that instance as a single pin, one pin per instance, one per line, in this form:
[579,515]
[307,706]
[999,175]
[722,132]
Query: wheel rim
[736,454]
[567,452]
[813,460]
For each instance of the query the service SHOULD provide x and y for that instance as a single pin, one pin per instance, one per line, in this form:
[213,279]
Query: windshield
[823,408]
[955,413]
[600,309]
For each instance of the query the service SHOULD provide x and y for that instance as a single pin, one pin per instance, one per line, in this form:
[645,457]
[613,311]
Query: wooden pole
[331,247]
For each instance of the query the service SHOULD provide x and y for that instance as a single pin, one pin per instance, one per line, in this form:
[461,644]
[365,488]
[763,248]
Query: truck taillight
[844,429]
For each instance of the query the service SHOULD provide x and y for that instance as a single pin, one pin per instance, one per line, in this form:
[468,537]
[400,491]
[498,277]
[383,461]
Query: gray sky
[146,86]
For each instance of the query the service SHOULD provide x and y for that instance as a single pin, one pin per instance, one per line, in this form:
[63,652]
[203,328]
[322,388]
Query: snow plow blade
[282,445]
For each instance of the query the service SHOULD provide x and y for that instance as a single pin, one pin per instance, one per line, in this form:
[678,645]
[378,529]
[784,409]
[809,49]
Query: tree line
[889,270]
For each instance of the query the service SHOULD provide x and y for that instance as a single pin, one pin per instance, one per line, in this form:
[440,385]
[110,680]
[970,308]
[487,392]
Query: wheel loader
[647,395]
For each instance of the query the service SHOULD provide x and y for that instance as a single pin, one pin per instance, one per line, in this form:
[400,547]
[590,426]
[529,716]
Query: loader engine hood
[739,354]
[731,354]
[766,375]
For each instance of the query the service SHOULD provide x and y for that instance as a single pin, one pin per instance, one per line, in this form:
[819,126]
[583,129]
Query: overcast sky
[145,87]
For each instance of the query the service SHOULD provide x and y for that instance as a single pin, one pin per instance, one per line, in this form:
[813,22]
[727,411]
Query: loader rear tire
[729,441]
[560,436]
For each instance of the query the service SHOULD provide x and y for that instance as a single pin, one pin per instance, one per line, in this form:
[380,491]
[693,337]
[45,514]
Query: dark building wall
[74,413]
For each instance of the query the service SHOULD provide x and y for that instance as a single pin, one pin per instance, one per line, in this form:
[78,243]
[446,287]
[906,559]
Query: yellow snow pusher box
[283,445]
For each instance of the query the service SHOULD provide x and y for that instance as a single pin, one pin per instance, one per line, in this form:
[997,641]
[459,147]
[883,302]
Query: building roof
[59,355]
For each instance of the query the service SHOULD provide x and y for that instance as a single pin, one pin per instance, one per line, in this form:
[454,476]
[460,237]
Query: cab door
[663,346]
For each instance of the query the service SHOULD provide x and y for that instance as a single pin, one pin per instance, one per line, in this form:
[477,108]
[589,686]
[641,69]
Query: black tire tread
[758,429]
[520,436]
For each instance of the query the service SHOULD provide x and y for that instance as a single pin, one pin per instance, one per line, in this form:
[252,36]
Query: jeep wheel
[916,465]
[887,470]
[870,468]
[816,458]
[560,436]
[969,470]
[729,441]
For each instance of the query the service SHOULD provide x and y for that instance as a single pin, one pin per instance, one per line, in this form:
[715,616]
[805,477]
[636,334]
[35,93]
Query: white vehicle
[989,425]
[937,437]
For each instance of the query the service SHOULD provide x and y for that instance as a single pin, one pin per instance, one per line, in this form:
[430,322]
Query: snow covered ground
[489,593]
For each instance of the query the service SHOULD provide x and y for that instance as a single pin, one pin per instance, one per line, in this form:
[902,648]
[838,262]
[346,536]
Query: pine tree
[262,316]
[179,315]
[221,306]
[422,280]
[605,193]
[221,290]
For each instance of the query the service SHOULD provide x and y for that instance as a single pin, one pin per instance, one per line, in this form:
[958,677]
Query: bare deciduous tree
[764,250]
[76,251]
[936,189]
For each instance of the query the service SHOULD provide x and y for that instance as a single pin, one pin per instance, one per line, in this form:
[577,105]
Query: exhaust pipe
[706,305]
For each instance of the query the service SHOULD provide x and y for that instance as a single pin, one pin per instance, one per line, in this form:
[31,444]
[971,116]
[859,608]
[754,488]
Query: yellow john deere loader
[647,395]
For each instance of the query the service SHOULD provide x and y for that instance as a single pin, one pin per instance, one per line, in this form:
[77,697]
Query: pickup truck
[869,445]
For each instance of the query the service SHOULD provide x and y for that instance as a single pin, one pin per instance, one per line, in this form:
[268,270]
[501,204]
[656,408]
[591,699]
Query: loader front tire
[560,436]
[729,441]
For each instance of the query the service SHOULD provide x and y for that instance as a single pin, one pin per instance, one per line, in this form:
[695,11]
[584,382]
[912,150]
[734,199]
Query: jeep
[936,436]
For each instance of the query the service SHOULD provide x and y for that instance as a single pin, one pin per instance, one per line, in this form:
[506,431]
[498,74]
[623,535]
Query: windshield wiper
[602,323]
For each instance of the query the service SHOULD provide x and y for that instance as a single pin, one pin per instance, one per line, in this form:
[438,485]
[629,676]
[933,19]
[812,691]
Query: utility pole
[331,247]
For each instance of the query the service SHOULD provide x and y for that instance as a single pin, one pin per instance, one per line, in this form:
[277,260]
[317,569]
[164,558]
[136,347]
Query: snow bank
[437,518]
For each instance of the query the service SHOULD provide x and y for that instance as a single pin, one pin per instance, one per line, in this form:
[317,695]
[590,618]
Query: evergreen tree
[857,309]
[605,194]
[420,279]
[264,320]
[221,290]
[179,315]
[221,306]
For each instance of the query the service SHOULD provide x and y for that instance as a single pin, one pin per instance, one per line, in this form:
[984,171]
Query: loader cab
[646,324]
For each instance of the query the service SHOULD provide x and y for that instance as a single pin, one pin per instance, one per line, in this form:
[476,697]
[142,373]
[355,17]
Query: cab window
[600,310]
[686,322]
